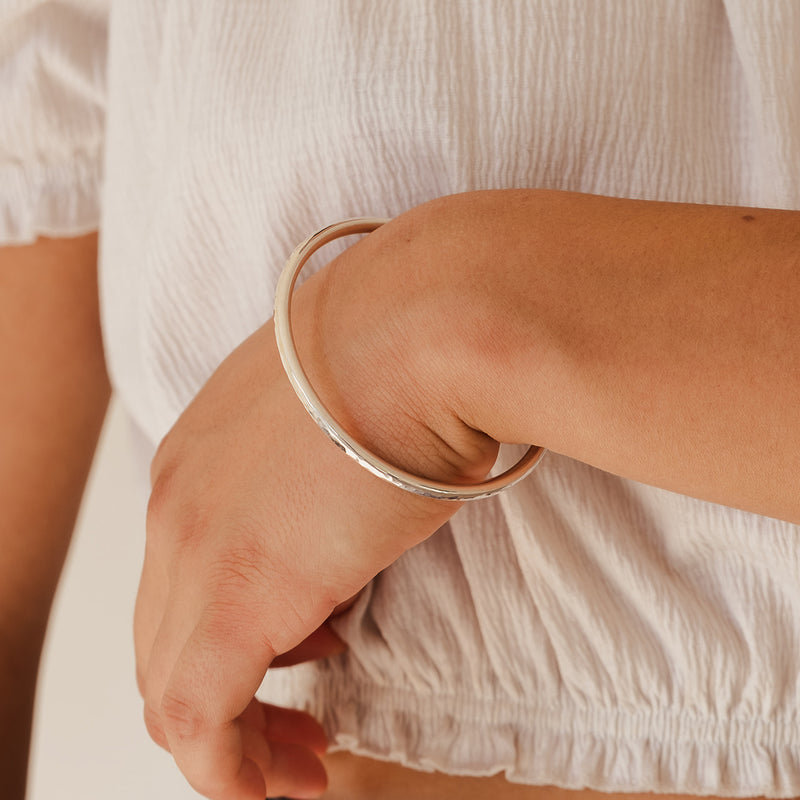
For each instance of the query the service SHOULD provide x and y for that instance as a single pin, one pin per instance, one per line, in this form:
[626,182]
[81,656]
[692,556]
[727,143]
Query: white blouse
[581,630]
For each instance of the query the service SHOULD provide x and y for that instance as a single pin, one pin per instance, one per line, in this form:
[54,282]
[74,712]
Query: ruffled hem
[665,751]
[49,199]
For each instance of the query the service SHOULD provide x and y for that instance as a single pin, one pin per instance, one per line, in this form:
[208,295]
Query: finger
[175,628]
[148,615]
[320,644]
[155,730]
[213,682]
[147,620]
[296,772]
[290,726]
[277,740]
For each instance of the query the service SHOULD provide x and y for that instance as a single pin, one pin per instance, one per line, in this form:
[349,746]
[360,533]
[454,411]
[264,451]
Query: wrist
[441,297]
[371,357]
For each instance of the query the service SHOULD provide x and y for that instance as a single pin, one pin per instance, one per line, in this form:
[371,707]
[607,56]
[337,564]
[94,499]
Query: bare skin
[53,397]
[618,331]
[359,778]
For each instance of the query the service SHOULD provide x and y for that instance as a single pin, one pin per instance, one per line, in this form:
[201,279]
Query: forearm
[52,402]
[657,341]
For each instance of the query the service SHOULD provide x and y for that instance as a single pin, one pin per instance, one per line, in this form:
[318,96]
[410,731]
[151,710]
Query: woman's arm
[659,341]
[53,397]
[654,340]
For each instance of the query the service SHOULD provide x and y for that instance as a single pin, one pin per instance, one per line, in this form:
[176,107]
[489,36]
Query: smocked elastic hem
[49,199]
[667,751]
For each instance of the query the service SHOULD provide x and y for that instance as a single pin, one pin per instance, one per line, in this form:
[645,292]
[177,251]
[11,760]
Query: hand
[258,527]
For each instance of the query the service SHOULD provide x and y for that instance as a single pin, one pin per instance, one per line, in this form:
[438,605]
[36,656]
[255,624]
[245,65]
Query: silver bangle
[315,406]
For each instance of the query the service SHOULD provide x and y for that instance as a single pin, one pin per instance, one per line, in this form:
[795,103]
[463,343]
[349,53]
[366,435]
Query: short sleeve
[52,99]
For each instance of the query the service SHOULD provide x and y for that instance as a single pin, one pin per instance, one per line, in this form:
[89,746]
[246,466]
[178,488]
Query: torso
[354,777]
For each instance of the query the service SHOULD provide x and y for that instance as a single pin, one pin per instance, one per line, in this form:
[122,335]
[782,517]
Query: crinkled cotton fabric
[581,630]
[52,114]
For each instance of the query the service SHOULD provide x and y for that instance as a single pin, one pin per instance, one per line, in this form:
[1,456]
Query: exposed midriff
[354,777]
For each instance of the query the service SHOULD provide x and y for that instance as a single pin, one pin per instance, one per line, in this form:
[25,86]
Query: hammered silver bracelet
[323,418]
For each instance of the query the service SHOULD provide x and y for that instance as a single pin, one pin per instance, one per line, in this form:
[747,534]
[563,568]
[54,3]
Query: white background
[89,738]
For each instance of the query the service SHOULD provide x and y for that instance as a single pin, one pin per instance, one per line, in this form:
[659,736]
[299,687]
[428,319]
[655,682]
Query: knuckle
[175,517]
[179,721]
[159,503]
[180,718]
[248,566]
[242,567]
[244,584]
[208,780]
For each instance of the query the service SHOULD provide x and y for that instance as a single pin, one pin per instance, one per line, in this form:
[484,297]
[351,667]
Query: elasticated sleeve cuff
[52,118]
